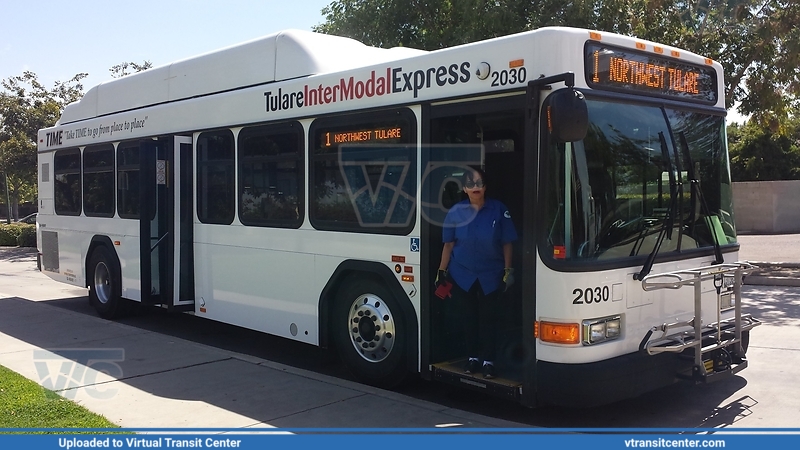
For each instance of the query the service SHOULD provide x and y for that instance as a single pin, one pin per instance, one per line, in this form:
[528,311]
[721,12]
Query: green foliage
[25,107]
[9,233]
[427,25]
[27,235]
[759,154]
[17,234]
[25,404]
[127,68]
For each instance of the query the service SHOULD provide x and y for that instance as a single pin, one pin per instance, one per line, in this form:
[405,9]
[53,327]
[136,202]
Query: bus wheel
[105,284]
[745,340]
[370,333]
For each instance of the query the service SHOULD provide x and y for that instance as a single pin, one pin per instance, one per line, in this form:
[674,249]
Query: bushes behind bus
[17,234]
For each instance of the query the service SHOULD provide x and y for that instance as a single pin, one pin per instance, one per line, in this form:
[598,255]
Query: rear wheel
[105,288]
[370,332]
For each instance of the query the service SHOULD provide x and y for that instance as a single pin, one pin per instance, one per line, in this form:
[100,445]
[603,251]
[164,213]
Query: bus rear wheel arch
[371,332]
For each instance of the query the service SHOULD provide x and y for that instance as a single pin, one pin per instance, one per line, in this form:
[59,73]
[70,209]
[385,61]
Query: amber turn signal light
[559,333]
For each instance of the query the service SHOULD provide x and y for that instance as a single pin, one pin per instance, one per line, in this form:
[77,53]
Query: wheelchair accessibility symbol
[414,244]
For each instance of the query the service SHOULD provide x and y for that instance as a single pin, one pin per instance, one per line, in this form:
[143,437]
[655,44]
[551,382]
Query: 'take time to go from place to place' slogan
[57,137]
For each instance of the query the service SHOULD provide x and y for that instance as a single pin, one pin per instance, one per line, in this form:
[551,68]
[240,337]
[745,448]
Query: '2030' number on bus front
[590,295]
[510,76]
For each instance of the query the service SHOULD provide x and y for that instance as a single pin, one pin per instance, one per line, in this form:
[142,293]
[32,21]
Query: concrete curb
[774,274]
[755,280]
[770,264]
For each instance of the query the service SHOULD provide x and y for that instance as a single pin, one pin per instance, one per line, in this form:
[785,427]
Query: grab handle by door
[158,242]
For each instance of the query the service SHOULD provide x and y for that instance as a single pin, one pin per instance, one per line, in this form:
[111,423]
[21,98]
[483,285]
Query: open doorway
[489,134]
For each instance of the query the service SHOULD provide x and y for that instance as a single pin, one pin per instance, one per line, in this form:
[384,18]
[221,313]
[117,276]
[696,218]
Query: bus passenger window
[128,180]
[67,186]
[215,186]
[363,172]
[98,181]
[271,175]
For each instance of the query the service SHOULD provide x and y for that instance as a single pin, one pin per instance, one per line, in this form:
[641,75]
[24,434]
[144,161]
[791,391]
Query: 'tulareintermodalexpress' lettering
[393,81]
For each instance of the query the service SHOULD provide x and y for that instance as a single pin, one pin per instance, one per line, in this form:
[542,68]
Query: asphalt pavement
[143,379]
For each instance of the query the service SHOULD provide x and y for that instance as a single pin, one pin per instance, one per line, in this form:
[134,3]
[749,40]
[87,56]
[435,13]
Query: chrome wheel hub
[371,327]
[102,283]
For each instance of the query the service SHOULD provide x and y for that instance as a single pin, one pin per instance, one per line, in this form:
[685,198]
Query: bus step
[452,372]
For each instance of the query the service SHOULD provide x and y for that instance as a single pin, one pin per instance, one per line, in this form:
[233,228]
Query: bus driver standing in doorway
[477,236]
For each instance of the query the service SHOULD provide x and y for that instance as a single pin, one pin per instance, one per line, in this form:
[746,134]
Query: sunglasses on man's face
[471,184]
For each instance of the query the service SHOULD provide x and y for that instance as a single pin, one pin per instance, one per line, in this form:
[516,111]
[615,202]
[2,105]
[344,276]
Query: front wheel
[370,332]
[745,341]
[105,288]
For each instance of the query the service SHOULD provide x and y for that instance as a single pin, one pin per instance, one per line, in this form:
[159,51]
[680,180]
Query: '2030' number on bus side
[590,295]
[510,76]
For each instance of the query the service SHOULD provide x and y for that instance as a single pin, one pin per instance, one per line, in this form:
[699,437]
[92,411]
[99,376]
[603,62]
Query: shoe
[488,371]
[472,366]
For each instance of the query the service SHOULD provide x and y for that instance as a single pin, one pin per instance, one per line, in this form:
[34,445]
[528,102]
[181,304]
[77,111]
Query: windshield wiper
[695,189]
[668,222]
[679,180]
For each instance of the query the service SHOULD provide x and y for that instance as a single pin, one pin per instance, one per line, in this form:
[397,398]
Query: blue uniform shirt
[479,237]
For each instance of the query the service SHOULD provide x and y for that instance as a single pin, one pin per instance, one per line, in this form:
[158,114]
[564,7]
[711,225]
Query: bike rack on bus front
[718,335]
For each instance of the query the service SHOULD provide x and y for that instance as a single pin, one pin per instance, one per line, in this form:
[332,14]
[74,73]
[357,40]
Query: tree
[120,70]
[758,154]
[756,41]
[427,25]
[25,107]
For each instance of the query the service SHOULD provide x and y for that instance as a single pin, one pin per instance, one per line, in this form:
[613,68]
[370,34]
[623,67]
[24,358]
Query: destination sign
[360,136]
[618,69]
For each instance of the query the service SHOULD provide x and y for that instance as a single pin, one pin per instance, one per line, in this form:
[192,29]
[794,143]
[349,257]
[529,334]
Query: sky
[58,39]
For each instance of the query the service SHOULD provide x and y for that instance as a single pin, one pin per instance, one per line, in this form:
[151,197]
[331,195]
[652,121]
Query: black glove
[441,278]
[508,279]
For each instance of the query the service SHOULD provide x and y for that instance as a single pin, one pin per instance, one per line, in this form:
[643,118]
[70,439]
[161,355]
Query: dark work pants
[479,319]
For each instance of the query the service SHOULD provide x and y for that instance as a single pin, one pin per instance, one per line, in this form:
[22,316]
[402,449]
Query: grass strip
[25,404]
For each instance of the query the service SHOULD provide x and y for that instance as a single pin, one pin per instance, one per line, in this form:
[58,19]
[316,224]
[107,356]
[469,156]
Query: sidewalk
[163,381]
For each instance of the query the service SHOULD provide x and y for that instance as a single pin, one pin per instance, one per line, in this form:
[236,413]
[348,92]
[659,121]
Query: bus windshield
[640,171]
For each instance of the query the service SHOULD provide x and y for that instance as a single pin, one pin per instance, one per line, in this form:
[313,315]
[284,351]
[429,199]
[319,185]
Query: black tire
[745,341]
[370,332]
[105,284]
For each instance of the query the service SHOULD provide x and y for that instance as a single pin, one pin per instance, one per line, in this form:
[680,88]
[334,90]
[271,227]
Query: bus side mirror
[567,116]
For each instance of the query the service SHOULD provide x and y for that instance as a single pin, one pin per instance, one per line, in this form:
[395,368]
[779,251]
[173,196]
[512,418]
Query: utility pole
[8,200]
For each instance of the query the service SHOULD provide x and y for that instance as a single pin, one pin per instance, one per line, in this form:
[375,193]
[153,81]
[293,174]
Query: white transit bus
[297,185]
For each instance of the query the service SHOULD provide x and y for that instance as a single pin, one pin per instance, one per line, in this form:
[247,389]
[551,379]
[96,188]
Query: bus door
[488,134]
[167,258]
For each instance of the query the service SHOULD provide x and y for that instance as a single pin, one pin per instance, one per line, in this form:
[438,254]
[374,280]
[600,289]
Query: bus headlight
[600,330]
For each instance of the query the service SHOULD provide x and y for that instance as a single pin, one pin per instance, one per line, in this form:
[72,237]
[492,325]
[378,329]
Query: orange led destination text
[656,76]
[652,75]
[362,136]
